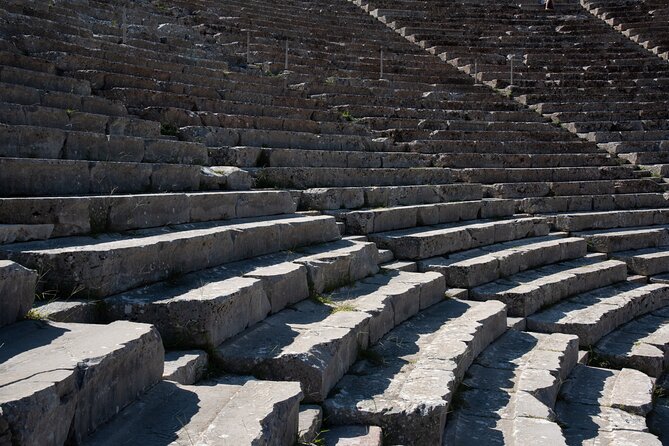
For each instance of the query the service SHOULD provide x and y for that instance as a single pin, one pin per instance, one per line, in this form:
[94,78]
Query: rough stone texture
[606,406]
[315,343]
[405,383]
[354,436]
[528,291]
[62,381]
[113,263]
[228,411]
[647,261]
[641,344]
[17,291]
[482,265]
[509,392]
[310,421]
[185,367]
[592,315]
[621,240]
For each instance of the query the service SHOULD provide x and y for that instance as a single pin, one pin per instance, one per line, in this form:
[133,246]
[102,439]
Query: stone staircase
[255,223]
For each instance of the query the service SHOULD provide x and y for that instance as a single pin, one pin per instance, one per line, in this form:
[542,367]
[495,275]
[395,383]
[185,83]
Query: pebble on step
[228,412]
[405,383]
[61,381]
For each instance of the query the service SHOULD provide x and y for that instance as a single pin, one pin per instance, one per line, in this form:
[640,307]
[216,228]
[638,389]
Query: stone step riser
[17,292]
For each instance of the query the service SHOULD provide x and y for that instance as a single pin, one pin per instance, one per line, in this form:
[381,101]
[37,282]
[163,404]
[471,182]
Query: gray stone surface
[528,291]
[592,315]
[185,367]
[315,342]
[229,411]
[61,381]
[17,291]
[625,239]
[606,406]
[354,436]
[405,383]
[648,261]
[107,264]
[310,421]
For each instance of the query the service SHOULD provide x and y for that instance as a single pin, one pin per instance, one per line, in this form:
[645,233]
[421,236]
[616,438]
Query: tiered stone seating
[393,226]
[558,55]
[643,22]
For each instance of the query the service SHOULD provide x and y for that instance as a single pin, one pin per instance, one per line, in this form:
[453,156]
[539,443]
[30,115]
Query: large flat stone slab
[59,382]
[228,411]
[405,383]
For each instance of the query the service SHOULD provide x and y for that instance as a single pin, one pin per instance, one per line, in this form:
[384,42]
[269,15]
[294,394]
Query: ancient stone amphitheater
[334,222]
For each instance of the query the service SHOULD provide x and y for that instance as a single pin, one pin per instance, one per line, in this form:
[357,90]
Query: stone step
[482,265]
[327,177]
[613,240]
[111,263]
[354,436]
[228,411]
[432,241]
[642,344]
[30,141]
[37,116]
[309,425]
[528,291]
[368,221]
[205,308]
[606,407]
[405,384]
[588,187]
[581,221]
[334,198]
[316,341]
[647,262]
[80,215]
[508,394]
[60,382]
[593,314]
[185,367]
[591,203]
[17,291]
[69,177]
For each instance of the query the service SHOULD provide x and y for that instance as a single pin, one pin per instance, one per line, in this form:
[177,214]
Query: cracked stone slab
[60,381]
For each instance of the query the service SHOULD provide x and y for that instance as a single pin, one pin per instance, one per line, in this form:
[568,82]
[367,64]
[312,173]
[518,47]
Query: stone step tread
[366,221]
[581,221]
[481,265]
[623,239]
[110,263]
[405,384]
[85,372]
[43,142]
[354,435]
[316,341]
[510,390]
[640,344]
[606,406]
[430,241]
[185,367]
[645,261]
[528,291]
[593,314]
[204,308]
[228,411]
[122,212]
[17,291]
